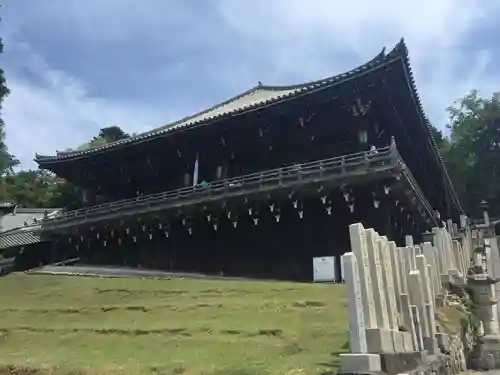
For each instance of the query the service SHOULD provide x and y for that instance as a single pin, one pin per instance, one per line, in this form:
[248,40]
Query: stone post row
[394,293]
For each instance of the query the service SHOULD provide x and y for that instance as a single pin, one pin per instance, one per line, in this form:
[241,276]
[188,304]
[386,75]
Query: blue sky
[76,66]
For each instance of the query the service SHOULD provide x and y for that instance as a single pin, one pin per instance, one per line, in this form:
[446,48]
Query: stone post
[409,336]
[357,335]
[379,339]
[444,277]
[408,240]
[392,306]
[358,360]
[457,256]
[359,248]
[417,300]
[418,329]
[393,253]
[438,243]
[430,342]
[430,258]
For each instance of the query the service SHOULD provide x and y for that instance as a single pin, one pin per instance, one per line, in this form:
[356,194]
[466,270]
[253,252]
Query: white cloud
[293,30]
[280,39]
[59,113]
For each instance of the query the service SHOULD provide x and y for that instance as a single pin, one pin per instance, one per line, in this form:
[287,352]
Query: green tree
[106,135]
[7,161]
[112,134]
[29,188]
[472,152]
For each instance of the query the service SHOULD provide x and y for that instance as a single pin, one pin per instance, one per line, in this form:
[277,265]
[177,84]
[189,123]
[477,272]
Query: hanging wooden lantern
[346,196]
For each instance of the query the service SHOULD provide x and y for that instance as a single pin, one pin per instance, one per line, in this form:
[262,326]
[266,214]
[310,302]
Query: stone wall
[408,306]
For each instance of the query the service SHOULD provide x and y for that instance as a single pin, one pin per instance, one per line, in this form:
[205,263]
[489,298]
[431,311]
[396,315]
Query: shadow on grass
[25,370]
[181,331]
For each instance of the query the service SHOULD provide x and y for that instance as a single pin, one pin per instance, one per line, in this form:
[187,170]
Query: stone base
[379,341]
[491,352]
[352,363]
[407,342]
[401,363]
[397,341]
[431,345]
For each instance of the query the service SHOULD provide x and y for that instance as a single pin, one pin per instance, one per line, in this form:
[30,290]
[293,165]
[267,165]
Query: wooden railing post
[393,151]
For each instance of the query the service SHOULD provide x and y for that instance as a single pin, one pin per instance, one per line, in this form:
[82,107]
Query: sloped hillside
[85,325]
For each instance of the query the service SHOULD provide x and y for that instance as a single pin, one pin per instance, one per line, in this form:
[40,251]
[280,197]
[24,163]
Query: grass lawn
[83,325]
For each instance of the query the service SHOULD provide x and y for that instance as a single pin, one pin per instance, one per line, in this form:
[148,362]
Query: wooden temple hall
[259,185]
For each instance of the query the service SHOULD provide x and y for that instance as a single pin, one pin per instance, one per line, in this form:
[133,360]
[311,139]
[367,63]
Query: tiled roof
[23,226]
[22,217]
[257,97]
[20,236]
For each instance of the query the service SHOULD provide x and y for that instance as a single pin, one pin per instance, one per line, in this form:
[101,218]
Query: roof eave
[301,89]
[402,50]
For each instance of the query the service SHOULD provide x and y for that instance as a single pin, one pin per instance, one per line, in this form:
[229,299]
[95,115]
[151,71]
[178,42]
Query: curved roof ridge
[160,128]
[281,92]
[214,107]
[377,59]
